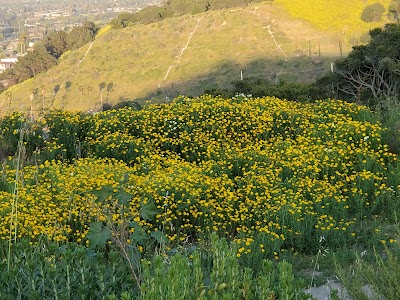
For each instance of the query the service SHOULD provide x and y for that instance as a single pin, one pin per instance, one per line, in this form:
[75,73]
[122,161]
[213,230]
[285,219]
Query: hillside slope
[342,16]
[184,55]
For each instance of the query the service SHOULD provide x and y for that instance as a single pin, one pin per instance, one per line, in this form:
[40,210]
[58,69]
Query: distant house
[7,63]
[9,59]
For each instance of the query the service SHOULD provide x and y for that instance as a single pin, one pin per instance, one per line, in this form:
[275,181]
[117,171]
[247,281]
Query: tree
[22,41]
[33,63]
[81,35]
[102,85]
[81,88]
[9,98]
[45,54]
[109,88]
[373,12]
[174,8]
[31,97]
[123,102]
[55,43]
[43,92]
[123,20]
[372,71]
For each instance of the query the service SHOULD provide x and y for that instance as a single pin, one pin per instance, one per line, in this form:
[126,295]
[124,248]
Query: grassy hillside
[189,54]
[342,16]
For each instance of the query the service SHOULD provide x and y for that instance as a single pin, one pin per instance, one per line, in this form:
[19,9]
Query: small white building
[7,63]
[9,60]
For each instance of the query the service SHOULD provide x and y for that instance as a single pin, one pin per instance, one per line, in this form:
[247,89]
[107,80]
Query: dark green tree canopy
[55,43]
[372,71]
[81,35]
[31,64]
[45,53]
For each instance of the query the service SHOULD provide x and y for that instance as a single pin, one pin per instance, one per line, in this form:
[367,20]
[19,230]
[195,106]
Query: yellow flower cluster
[241,167]
[54,199]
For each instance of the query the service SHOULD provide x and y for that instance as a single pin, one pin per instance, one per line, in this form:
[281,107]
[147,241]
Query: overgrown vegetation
[52,271]
[46,53]
[203,198]
[374,272]
[285,90]
[370,76]
[273,177]
[373,12]
[370,72]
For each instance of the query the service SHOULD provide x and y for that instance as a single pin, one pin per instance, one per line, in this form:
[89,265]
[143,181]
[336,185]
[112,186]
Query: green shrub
[284,90]
[379,278]
[128,103]
[54,271]
[50,270]
[373,12]
[389,111]
[184,278]
[17,128]
[66,133]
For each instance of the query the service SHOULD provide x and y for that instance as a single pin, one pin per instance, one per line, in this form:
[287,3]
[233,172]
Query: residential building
[7,63]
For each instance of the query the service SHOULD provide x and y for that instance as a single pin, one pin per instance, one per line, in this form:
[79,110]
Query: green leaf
[104,193]
[159,236]
[135,255]
[222,286]
[123,197]
[148,211]
[98,234]
[90,253]
[139,234]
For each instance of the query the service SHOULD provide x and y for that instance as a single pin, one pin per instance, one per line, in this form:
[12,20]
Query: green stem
[14,204]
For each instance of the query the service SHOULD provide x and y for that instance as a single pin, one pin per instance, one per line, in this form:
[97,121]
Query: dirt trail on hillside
[281,50]
[87,52]
[178,57]
[271,33]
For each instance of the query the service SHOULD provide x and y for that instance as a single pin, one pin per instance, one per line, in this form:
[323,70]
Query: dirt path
[276,43]
[87,52]
[281,50]
[323,292]
[271,33]
[178,57]
[188,41]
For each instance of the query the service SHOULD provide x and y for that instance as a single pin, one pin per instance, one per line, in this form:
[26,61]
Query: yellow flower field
[343,16]
[242,167]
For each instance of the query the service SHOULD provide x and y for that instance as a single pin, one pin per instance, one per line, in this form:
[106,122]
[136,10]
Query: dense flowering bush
[262,169]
